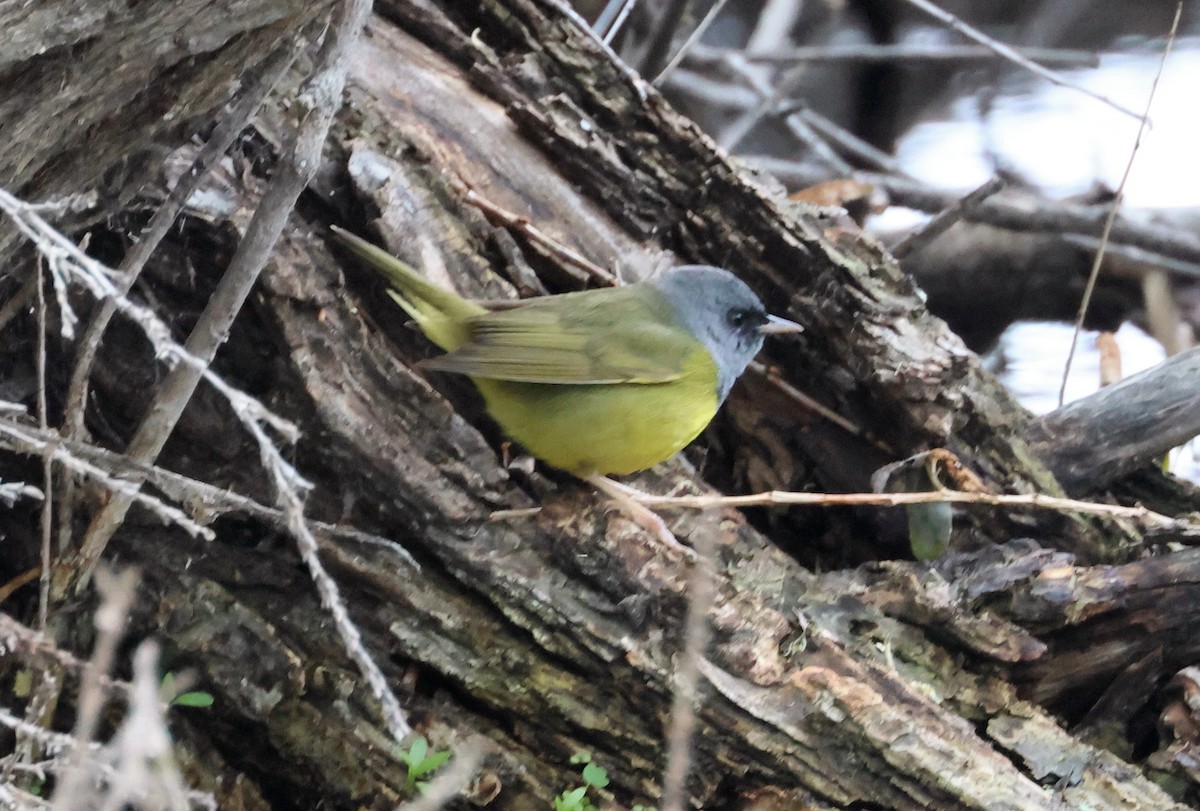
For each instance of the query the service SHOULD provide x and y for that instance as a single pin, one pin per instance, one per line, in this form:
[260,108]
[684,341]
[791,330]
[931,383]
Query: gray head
[719,309]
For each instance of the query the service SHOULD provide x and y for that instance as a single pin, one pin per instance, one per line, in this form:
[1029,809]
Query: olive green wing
[622,335]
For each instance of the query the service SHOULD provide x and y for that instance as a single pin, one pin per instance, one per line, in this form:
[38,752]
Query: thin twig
[25,440]
[1014,211]
[23,640]
[942,221]
[783,498]
[324,88]
[47,517]
[608,15]
[702,592]
[231,125]
[769,99]
[692,39]
[1010,53]
[205,500]
[905,52]
[209,332]
[863,151]
[657,47]
[1138,256]
[622,15]
[810,403]
[119,592]
[499,215]
[780,498]
[257,87]
[11,492]
[1115,205]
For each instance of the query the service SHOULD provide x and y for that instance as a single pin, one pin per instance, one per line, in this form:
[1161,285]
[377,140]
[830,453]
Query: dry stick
[1174,267]
[771,101]
[607,16]
[692,39]
[212,328]
[1016,212]
[119,592]
[773,25]
[768,100]
[23,640]
[851,144]
[657,45]
[223,135]
[622,15]
[215,500]
[321,97]
[1090,287]
[499,215]
[808,135]
[793,393]
[702,591]
[25,439]
[709,55]
[47,455]
[781,498]
[923,53]
[943,220]
[11,492]
[325,86]
[1010,53]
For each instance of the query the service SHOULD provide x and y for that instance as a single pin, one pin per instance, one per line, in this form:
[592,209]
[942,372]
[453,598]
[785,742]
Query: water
[1064,142]
[1035,354]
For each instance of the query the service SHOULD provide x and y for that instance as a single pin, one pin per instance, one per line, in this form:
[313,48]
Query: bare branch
[945,218]
[1115,206]
[1010,53]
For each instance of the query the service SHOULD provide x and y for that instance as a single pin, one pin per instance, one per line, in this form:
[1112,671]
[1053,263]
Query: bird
[597,382]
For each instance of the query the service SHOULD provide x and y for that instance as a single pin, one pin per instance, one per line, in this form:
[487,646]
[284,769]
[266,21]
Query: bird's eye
[740,319]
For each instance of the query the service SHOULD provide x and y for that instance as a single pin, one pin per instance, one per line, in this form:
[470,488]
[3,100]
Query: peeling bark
[894,685]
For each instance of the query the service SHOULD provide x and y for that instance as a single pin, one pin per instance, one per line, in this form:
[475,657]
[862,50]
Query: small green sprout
[421,760]
[594,777]
[192,698]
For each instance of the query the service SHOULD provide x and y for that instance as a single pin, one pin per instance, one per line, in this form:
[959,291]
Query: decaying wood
[96,92]
[894,685]
[1095,441]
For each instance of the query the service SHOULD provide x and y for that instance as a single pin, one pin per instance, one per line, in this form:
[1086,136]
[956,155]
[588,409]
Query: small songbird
[602,382]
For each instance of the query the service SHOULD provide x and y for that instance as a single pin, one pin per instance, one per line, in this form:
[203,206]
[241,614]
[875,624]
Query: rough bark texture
[894,685]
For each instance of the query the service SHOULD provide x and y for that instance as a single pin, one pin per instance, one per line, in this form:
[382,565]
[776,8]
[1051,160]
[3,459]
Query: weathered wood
[561,632]
[1093,442]
[93,94]
[871,351]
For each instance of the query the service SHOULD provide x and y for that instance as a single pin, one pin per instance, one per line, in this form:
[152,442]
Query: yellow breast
[606,428]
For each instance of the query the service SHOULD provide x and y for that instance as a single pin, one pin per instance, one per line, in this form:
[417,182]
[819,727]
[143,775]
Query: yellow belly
[605,428]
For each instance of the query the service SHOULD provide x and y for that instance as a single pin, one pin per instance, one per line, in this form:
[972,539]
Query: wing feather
[623,335]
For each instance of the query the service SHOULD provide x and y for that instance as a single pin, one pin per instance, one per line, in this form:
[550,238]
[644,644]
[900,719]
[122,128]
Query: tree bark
[894,685]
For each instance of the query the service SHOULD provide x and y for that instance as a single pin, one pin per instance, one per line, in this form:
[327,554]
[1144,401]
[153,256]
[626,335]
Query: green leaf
[929,527]
[581,757]
[416,752]
[573,800]
[194,698]
[430,762]
[594,775]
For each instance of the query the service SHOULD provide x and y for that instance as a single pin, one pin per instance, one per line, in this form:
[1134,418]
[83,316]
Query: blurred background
[894,109]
